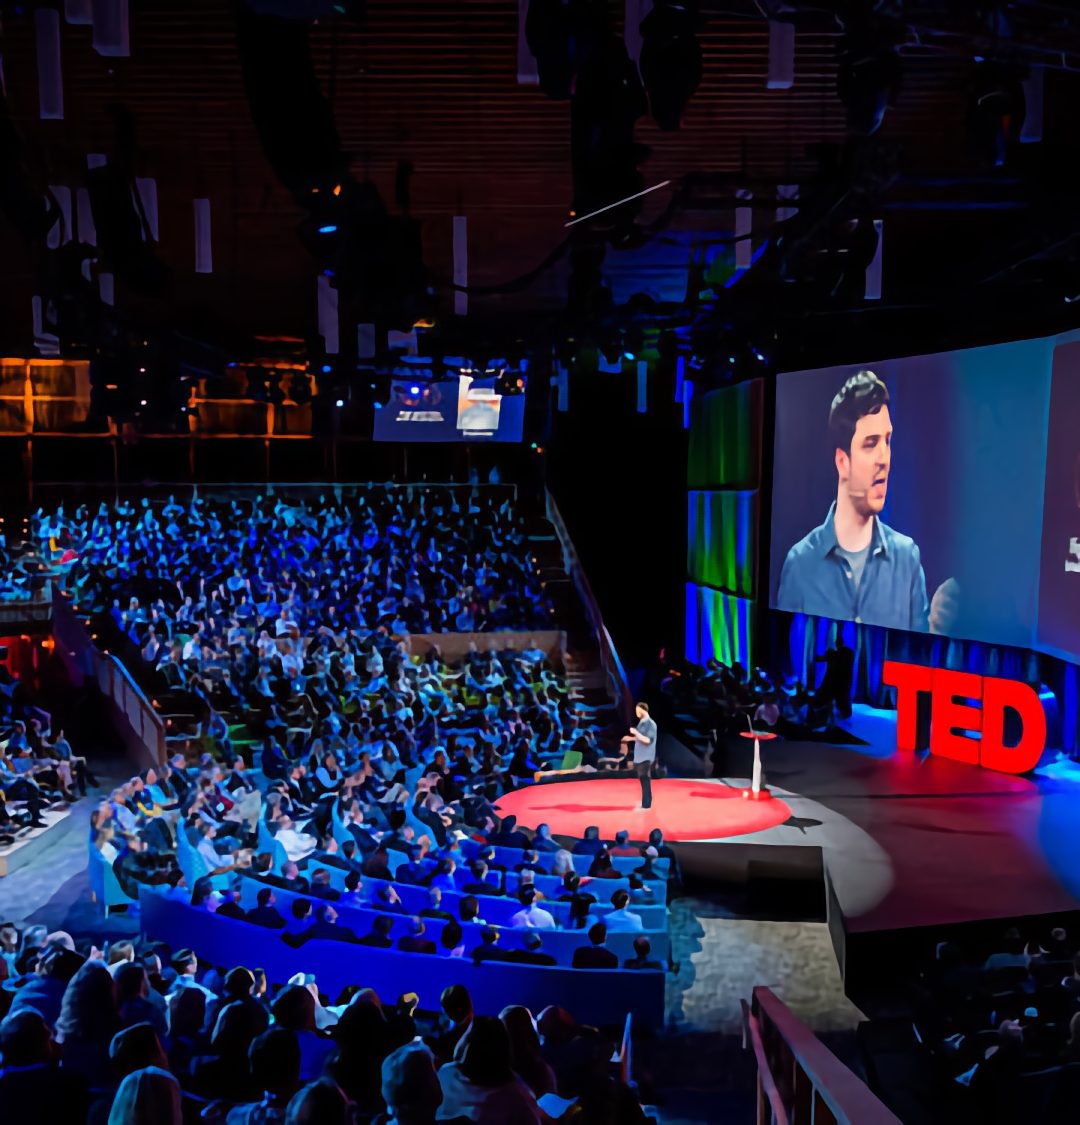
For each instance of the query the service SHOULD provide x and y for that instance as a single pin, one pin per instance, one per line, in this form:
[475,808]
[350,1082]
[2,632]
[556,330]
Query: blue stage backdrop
[724,480]
[795,641]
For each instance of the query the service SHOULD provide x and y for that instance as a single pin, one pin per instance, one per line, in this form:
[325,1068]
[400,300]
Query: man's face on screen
[864,473]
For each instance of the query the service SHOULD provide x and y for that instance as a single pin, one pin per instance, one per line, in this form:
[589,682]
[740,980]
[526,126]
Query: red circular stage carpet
[682,809]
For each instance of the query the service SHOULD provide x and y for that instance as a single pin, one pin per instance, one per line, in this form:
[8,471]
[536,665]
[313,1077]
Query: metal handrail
[766,1084]
[609,657]
[849,1100]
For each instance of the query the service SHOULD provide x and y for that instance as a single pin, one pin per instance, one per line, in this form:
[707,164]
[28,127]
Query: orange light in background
[337,189]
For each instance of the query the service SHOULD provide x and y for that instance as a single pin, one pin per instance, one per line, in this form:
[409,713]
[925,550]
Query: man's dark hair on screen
[864,393]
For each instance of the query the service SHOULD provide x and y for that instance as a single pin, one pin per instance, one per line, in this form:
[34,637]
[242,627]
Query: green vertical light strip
[725,438]
[718,625]
[721,540]
[723,476]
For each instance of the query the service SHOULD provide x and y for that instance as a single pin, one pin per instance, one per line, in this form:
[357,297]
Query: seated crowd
[268,631]
[415,559]
[723,697]
[988,1017]
[133,1035]
[38,769]
[342,857]
[290,657]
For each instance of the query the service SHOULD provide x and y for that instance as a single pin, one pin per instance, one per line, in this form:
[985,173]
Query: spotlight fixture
[670,59]
[996,109]
[869,72]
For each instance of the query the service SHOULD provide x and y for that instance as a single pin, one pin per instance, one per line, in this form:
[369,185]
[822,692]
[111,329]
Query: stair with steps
[585,675]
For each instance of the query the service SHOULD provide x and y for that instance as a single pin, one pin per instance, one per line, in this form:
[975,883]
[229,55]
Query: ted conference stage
[900,839]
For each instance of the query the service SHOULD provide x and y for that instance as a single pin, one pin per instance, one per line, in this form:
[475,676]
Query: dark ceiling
[434,82]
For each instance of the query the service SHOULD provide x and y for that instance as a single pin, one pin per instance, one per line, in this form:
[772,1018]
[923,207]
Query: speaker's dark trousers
[642,770]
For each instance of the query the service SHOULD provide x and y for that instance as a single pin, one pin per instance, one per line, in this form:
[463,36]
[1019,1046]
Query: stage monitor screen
[908,493]
[1059,579]
[449,410]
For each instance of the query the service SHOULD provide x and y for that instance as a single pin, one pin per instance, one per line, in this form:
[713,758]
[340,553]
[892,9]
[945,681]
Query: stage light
[670,60]
[414,390]
[142,370]
[326,369]
[628,355]
[340,402]
[869,71]
[328,229]
[996,109]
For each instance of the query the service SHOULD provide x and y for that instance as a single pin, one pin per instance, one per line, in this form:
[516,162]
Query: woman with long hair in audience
[150,1096]
[480,1084]
[363,1041]
[223,1071]
[88,1021]
[187,1014]
[525,1055]
[322,1102]
[602,867]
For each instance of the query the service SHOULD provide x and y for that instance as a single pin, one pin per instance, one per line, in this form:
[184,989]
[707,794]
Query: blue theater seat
[511,857]
[559,943]
[498,909]
[599,996]
[104,884]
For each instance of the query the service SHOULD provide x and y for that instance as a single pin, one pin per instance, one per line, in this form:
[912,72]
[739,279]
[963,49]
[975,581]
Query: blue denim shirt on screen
[816,579]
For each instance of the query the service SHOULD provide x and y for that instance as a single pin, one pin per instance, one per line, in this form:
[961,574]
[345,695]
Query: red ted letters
[962,701]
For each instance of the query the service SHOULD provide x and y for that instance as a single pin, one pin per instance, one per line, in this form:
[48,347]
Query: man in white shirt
[297,845]
[622,919]
[292,663]
[531,916]
[193,645]
[186,965]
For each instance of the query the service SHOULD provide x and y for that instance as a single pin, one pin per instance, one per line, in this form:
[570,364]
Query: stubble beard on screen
[861,503]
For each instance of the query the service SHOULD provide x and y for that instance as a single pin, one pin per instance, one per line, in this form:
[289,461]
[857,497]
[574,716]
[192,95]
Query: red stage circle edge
[683,809]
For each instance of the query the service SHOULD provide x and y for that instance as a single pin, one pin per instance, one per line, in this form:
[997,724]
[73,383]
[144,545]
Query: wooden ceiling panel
[435,83]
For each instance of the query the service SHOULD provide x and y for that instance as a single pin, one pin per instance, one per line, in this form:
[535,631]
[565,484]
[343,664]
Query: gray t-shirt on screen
[647,729]
[856,561]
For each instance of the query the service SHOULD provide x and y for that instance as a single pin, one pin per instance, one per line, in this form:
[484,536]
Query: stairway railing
[618,687]
[800,1080]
